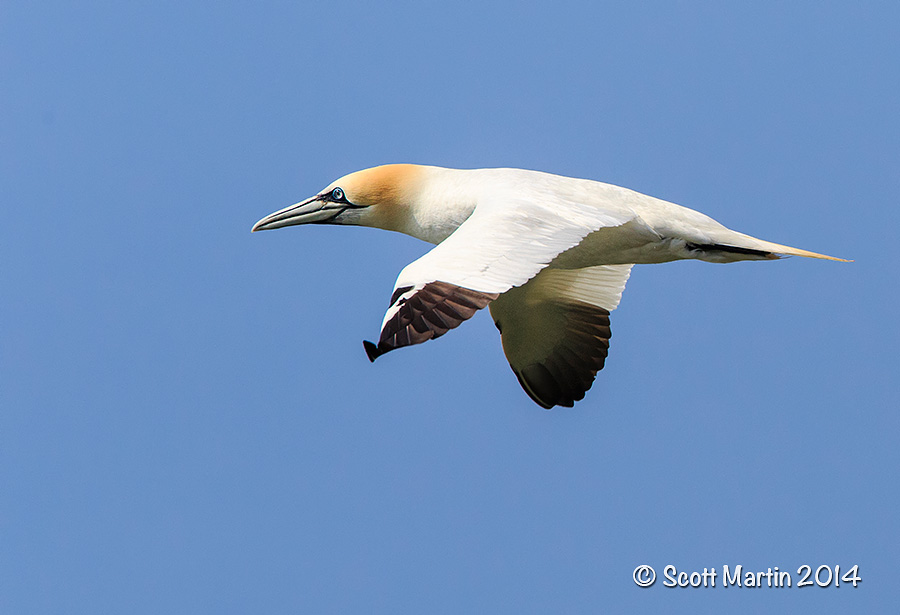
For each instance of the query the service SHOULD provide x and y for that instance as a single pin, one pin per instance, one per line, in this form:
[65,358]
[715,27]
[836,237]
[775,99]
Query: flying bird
[549,254]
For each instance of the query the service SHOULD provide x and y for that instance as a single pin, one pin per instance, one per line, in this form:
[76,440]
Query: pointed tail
[779,250]
[789,251]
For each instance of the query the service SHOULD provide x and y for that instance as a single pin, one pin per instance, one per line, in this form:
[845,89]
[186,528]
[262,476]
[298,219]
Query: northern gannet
[549,254]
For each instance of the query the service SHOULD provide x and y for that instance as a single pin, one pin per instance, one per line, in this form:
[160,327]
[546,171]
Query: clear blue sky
[189,424]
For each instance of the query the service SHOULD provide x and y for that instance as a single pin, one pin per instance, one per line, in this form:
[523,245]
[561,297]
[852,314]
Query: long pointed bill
[312,210]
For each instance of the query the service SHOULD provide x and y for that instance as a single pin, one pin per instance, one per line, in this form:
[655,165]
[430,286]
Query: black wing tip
[541,388]
[718,247]
[371,350]
[545,390]
[427,314]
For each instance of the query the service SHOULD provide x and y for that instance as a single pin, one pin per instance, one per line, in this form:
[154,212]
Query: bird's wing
[555,329]
[494,250]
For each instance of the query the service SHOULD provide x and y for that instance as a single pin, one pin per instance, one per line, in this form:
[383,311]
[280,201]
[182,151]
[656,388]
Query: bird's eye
[337,194]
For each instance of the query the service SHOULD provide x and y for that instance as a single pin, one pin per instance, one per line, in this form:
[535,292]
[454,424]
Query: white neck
[447,198]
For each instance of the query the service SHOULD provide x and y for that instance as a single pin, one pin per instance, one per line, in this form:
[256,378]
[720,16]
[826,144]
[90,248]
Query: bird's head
[379,197]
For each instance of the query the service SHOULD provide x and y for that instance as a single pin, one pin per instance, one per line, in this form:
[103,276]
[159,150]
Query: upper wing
[495,249]
[555,329]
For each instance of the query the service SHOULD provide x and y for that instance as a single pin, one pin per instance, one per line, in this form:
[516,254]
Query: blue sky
[188,422]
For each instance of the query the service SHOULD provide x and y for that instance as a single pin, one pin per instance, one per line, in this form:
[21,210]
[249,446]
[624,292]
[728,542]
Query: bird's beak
[312,210]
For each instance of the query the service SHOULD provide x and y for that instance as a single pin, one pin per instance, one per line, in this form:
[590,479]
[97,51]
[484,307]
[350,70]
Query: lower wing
[555,329]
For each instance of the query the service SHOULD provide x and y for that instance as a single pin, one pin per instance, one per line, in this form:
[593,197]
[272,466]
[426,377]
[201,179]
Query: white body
[550,254]
[654,231]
